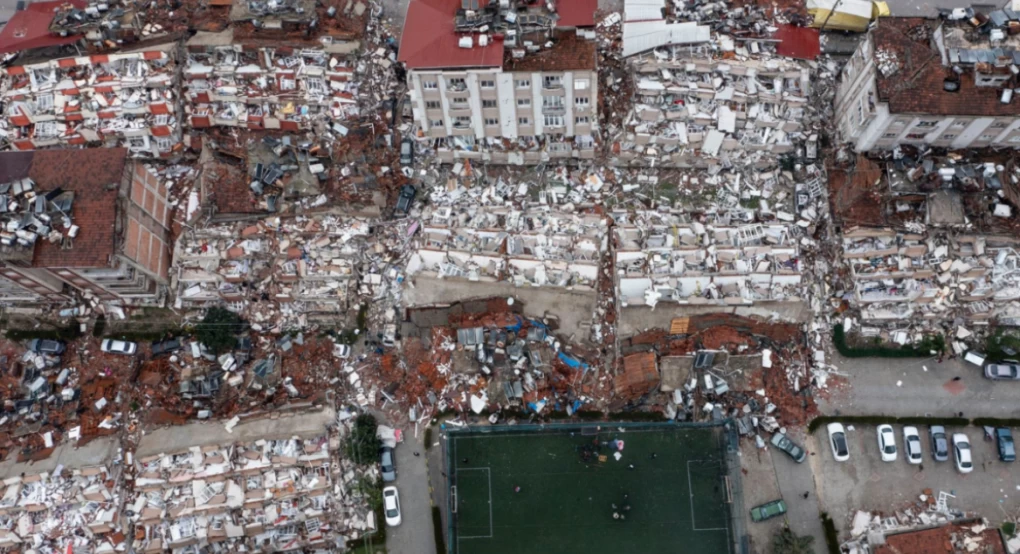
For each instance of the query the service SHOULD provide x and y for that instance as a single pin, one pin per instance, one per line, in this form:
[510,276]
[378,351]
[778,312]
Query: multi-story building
[505,83]
[946,84]
[86,221]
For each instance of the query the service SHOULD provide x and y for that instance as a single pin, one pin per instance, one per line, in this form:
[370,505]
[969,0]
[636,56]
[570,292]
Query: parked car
[391,506]
[768,510]
[165,347]
[887,443]
[406,199]
[389,468]
[961,447]
[837,439]
[119,347]
[1003,372]
[939,443]
[1004,439]
[912,444]
[46,346]
[782,442]
[406,152]
[342,351]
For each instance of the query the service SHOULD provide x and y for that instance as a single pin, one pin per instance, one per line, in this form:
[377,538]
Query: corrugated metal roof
[639,36]
[429,39]
[471,337]
[797,42]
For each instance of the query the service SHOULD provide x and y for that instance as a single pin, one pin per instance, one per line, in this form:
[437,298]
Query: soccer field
[674,498]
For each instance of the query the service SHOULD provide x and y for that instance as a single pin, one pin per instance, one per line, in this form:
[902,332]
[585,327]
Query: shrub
[922,350]
[831,535]
[437,527]
[1009,529]
[218,329]
[362,444]
[100,327]
[428,437]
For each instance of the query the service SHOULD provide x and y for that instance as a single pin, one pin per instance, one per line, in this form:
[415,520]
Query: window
[488,103]
[580,84]
[890,135]
[552,101]
[554,120]
[432,105]
[999,125]
[436,123]
[986,137]
[459,102]
[523,102]
[960,124]
[581,100]
[488,84]
[462,121]
[429,85]
[490,121]
[915,136]
[522,83]
[164,144]
[582,120]
[948,137]
[524,121]
[456,83]
[927,123]
[552,81]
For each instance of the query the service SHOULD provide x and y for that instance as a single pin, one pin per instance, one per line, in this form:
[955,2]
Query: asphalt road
[902,387]
[414,535]
[794,480]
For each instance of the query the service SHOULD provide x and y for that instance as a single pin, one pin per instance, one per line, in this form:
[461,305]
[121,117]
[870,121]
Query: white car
[391,506]
[912,444]
[341,351]
[119,347]
[837,440]
[887,443]
[961,446]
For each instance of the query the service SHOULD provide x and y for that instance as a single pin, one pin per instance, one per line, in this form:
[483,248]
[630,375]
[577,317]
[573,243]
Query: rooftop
[911,74]
[430,39]
[568,52]
[942,540]
[86,173]
[30,28]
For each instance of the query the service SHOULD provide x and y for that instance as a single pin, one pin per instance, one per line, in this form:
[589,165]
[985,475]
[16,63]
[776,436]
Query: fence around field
[729,449]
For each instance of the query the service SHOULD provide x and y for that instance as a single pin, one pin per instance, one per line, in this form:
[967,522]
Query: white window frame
[582,101]
[430,85]
[524,102]
[522,83]
[554,121]
[524,121]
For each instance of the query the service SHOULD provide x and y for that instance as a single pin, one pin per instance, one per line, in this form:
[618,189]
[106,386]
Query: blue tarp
[517,326]
[572,361]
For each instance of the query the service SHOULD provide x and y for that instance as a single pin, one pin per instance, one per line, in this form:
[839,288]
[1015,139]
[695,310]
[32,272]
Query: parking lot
[865,482]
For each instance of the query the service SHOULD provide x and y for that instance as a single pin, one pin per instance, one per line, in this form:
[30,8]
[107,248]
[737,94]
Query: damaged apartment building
[254,486]
[503,82]
[931,241]
[947,83]
[88,223]
[702,100]
[110,100]
[527,248]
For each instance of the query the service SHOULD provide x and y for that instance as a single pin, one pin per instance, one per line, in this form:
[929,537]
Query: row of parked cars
[56,347]
[939,441]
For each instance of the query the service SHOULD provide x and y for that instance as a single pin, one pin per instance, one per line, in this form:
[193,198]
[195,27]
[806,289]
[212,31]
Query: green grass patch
[822,421]
[999,343]
[437,529]
[428,437]
[831,534]
[996,422]
[1009,529]
[930,343]
[67,333]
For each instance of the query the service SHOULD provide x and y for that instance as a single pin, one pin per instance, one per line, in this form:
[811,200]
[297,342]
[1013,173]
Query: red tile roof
[87,172]
[576,13]
[429,39]
[569,52]
[797,42]
[939,541]
[640,376]
[916,87]
[30,28]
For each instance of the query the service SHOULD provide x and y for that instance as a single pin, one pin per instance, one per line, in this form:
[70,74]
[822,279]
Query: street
[902,387]
[414,535]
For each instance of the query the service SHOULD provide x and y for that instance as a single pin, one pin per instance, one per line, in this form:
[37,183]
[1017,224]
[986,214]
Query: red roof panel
[576,13]
[30,28]
[797,42]
[429,39]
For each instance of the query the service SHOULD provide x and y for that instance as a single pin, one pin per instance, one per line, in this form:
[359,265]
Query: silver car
[1003,372]
[939,443]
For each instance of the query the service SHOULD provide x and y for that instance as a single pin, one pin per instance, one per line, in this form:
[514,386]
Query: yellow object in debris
[288,109]
[843,15]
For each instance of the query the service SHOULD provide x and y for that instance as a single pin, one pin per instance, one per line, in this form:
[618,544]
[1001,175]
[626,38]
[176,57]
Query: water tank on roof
[465,42]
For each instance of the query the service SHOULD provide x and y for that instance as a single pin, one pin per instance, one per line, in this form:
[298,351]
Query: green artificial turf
[565,506]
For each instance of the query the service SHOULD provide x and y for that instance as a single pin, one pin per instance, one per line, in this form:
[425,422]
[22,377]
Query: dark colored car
[782,442]
[46,346]
[389,467]
[165,347]
[406,199]
[939,443]
[406,152]
[768,510]
[1007,450]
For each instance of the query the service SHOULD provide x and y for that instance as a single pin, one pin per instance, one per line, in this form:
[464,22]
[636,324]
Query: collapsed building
[503,82]
[110,100]
[945,83]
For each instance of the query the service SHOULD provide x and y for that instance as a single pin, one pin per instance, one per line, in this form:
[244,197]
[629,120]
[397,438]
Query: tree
[218,329]
[362,444]
[785,541]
